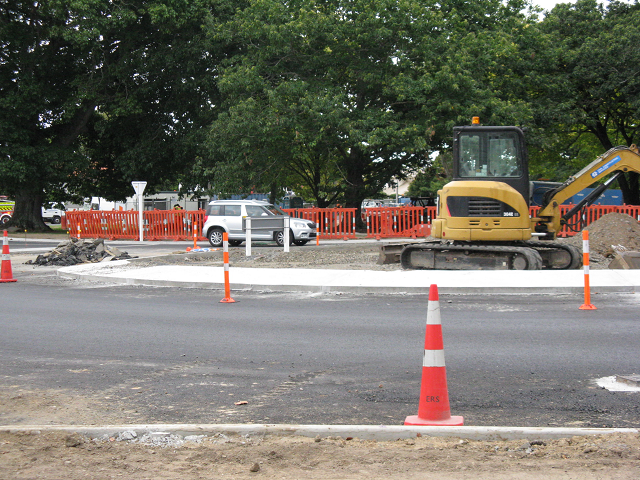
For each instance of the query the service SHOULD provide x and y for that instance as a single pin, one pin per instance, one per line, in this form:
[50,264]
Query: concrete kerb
[363,432]
[135,272]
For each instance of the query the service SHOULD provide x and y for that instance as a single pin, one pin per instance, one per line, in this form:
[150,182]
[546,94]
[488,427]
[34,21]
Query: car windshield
[274,210]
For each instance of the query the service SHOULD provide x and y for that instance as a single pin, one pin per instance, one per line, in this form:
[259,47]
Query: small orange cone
[433,408]
[7,275]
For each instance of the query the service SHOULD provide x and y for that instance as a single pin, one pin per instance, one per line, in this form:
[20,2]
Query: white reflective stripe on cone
[433,358]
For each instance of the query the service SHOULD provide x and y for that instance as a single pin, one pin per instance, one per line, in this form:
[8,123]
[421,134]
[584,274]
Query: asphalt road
[178,355]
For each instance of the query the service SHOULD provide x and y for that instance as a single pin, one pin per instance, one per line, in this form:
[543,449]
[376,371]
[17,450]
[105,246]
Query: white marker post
[139,188]
[286,234]
[247,251]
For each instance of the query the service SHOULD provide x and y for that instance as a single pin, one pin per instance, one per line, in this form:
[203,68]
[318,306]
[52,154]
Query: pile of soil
[75,251]
[611,233]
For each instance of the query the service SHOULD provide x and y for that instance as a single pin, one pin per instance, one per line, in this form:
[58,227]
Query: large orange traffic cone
[433,408]
[7,275]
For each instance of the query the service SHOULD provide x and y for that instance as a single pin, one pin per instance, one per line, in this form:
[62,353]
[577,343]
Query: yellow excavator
[483,219]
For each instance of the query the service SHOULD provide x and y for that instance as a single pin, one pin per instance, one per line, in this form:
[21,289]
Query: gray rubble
[75,251]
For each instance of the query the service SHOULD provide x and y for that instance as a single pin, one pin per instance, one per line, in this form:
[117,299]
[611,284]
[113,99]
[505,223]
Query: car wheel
[56,220]
[300,242]
[215,236]
[279,238]
[235,243]
[5,219]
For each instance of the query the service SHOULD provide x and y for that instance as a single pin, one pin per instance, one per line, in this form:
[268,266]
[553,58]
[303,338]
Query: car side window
[233,210]
[255,211]
[216,210]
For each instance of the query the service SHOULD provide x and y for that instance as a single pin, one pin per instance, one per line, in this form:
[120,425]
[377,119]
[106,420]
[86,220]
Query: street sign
[139,187]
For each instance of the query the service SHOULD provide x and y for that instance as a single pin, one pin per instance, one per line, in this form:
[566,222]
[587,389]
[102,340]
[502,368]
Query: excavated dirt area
[74,457]
[611,233]
[614,232]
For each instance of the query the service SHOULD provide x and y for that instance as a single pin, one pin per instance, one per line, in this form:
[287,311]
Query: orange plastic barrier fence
[591,214]
[396,222]
[122,225]
[333,222]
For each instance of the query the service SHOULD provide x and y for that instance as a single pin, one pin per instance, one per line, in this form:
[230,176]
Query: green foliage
[339,97]
[431,179]
[591,85]
[331,99]
[94,94]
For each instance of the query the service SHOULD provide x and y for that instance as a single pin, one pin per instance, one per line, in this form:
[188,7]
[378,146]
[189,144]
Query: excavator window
[489,154]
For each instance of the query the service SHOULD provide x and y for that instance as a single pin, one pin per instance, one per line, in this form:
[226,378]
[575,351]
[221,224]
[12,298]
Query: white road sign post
[139,188]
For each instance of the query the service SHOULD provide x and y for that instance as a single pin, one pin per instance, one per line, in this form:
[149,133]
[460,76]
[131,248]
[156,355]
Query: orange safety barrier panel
[591,214]
[397,222]
[631,210]
[333,222]
[123,225]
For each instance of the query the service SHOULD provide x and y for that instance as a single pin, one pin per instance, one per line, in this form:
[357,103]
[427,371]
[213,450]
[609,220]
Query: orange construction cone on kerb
[587,305]
[433,408]
[225,258]
[7,275]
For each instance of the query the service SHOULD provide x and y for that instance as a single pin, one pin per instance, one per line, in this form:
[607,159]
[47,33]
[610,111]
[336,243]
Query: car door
[233,220]
[257,211]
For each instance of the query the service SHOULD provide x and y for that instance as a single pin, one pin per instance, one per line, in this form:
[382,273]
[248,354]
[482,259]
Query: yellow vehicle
[483,217]
[6,209]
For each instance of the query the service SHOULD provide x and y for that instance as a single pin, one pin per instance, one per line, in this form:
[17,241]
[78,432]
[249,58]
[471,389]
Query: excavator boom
[616,161]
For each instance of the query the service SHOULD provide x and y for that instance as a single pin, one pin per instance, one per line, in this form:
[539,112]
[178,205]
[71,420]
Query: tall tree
[592,85]
[367,89]
[96,93]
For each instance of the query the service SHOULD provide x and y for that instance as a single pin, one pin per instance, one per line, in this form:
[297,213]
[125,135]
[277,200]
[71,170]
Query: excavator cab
[491,154]
[488,199]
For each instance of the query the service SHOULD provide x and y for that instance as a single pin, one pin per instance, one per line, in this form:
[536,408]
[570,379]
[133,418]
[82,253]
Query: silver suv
[227,216]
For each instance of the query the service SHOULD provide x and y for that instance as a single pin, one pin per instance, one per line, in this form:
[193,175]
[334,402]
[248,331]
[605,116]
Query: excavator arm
[615,161]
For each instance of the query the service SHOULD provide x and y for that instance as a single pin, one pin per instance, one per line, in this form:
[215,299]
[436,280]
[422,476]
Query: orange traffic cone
[433,408]
[7,275]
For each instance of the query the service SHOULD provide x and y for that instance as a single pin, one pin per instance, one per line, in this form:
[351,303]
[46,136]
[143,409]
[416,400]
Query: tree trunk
[630,188]
[27,214]
[355,189]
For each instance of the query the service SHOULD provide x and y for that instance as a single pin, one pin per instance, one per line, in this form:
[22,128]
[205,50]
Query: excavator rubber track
[557,256]
[442,256]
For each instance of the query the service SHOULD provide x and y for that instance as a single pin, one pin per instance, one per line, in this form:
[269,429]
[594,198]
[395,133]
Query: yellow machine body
[472,211]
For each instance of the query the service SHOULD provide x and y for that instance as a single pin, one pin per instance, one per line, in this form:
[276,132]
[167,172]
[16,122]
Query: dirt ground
[611,233]
[43,455]
[74,457]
